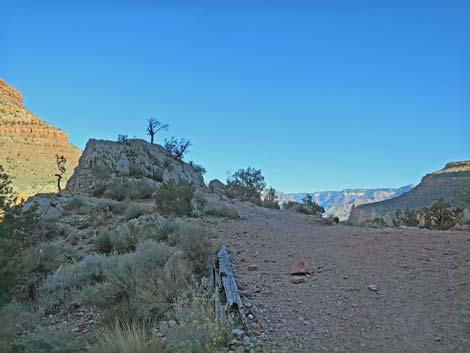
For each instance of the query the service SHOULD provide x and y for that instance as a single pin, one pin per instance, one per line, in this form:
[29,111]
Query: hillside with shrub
[446,189]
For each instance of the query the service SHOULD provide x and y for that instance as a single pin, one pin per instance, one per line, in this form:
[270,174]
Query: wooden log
[228,303]
[228,281]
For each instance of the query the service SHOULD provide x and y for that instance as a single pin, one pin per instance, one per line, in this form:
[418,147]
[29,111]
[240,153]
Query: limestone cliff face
[451,184]
[103,162]
[28,146]
[339,203]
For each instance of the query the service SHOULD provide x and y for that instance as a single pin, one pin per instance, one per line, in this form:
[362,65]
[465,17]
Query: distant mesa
[452,184]
[28,146]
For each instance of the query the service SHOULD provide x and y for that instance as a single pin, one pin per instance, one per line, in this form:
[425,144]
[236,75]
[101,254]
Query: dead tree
[60,161]
[154,126]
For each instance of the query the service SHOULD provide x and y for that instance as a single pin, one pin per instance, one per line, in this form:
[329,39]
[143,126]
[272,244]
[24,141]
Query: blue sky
[320,97]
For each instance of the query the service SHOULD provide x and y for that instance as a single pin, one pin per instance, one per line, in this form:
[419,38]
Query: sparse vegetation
[308,206]
[175,199]
[270,199]
[221,211]
[439,216]
[246,185]
[178,148]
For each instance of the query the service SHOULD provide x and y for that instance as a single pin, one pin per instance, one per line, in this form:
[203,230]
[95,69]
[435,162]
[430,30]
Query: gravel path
[422,279]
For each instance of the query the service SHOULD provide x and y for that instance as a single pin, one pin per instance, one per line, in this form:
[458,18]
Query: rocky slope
[106,162]
[451,184]
[339,203]
[28,146]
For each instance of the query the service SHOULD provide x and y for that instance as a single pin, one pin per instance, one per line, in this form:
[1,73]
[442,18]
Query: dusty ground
[422,278]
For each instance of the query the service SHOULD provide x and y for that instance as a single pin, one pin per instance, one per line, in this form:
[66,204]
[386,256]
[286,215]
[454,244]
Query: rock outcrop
[28,146]
[451,184]
[104,162]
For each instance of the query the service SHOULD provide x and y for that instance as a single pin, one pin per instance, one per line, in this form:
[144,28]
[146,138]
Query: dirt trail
[422,279]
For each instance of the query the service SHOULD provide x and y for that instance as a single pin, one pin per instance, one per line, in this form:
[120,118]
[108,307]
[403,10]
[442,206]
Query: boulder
[300,268]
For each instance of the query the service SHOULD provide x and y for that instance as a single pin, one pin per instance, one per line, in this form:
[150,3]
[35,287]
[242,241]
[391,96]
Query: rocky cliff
[339,203]
[28,146]
[105,162]
[451,184]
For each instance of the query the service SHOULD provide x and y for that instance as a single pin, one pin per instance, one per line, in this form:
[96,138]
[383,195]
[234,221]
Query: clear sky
[320,97]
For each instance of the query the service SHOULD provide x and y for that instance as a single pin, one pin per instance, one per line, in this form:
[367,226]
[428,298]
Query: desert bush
[197,329]
[34,264]
[141,288]
[64,285]
[175,199]
[271,204]
[441,216]
[374,223]
[246,184]
[102,171]
[109,242]
[77,205]
[99,189]
[165,229]
[221,211]
[122,188]
[270,199]
[125,337]
[311,207]
[194,241]
[197,167]
[44,340]
[133,212]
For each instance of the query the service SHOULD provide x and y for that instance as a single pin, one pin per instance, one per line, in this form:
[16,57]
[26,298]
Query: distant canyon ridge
[339,203]
[29,145]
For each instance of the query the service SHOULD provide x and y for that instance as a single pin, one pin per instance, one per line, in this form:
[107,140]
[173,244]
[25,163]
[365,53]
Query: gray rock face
[104,161]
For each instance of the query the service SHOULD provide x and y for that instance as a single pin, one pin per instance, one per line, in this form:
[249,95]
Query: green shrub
[175,199]
[34,264]
[133,212]
[141,289]
[270,199]
[197,167]
[194,241]
[77,205]
[221,211]
[197,329]
[165,229]
[374,223]
[48,341]
[441,216]
[64,285]
[311,207]
[271,204]
[109,242]
[246,184]
[125,337]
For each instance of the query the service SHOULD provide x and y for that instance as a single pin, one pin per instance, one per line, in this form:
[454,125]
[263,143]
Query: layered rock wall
[28,146]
